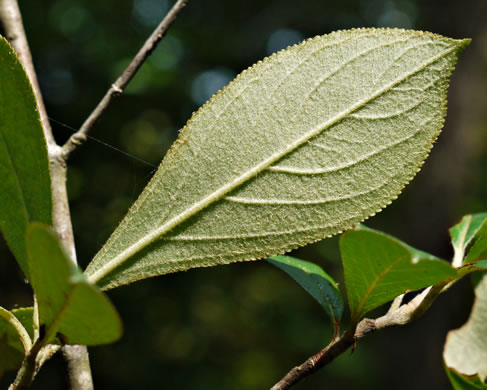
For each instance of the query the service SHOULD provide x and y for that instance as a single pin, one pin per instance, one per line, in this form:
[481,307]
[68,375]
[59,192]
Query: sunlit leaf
[466,347]
[25,182]
[379,267]
[469,239]
[316,282]
[303,145]
[70,307]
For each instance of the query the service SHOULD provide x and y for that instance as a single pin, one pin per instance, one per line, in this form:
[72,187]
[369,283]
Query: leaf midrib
[217,195]
[358,311]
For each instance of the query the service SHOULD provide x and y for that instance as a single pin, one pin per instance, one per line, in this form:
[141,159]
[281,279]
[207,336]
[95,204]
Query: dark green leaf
[315,281]
[463,382]
[25,182]
[70,307]
[469,239]
[379,267]
[466,347]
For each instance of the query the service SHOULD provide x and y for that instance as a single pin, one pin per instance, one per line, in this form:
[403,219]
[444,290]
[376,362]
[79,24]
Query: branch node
[116,90]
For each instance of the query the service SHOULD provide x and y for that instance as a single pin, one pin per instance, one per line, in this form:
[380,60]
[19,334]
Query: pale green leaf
[466,347]
[303,145]
[379,267]
[316,282]
[70,307]
[25,182]
[469,239]
[463,382]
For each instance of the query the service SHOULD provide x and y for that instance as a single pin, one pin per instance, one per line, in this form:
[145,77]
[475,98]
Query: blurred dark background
[241,326]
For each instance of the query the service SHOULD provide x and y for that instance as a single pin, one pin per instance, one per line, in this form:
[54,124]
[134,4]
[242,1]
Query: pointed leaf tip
[303,145]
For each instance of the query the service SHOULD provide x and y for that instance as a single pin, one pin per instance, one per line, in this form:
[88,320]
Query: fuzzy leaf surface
[379,267]
[25,181]
[70,307]
[303,145]
[316,282]
[469,239]
[466,347]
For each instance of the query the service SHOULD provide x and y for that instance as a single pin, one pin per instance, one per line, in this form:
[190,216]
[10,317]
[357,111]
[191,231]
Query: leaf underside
[25,183]
[466,347]
[301,146]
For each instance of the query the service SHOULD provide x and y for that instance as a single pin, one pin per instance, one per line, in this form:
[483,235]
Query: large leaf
[466,347]
[70,307]
[469,239]
[25,182]
[303,145]
[11,349]
[379,267]
[463,382]
[316,282]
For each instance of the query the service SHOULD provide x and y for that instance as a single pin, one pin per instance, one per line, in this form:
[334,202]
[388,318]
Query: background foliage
[241,326]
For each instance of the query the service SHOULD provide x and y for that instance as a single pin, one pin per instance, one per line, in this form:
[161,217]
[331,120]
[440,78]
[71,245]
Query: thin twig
[13,27]
[317,361]
[119,86]
[399,315]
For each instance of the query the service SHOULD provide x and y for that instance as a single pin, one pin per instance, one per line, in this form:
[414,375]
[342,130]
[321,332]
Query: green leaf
[25,182]
[463,382]
[481,264]
[303,145]
[379,267]
[316,282]
[70,307]
[466,347]
[469,239]
[11,349]
[26,318]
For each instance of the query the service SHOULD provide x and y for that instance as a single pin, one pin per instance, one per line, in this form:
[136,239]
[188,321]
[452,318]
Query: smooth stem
[11,20]
[396,316]
[121,83]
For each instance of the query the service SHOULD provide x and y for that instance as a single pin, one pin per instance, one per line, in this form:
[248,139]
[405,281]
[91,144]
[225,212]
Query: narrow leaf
[301,146]
[316,282]
[463,382]
[469,239]
[70,307]
[25,182]
[379,267]
[466,347]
